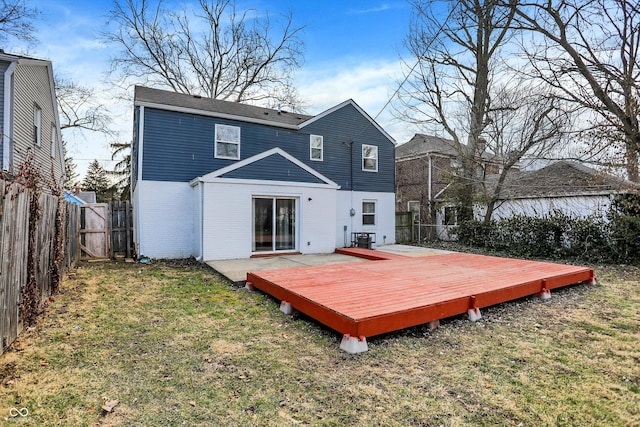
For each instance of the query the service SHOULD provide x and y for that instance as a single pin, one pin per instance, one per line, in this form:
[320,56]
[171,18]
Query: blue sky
[352,50]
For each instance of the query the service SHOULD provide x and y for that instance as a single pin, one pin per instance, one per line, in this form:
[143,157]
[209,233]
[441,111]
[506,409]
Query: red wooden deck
[371,298]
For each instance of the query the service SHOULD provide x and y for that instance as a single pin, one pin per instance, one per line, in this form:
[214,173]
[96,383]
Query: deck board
[394,292]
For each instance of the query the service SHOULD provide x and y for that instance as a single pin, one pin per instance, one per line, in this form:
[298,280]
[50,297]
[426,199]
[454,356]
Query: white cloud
[383,7]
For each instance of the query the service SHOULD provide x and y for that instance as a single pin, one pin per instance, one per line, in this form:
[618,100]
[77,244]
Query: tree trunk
[632,147]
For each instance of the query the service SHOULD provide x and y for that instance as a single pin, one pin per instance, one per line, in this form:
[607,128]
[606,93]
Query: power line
[440,28]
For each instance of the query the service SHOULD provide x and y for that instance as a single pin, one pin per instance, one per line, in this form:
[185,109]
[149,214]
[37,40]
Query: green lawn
[177,345]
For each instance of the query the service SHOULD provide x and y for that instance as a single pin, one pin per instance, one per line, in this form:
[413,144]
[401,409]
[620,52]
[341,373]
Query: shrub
[558,235]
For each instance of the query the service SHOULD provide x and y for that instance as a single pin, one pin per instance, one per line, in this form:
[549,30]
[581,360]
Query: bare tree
[15,20]
[526,122]
[451,86]
[589,52]
[218,51]
[79,108]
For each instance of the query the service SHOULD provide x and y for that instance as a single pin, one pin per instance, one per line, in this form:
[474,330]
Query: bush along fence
[38,244]
[615,238]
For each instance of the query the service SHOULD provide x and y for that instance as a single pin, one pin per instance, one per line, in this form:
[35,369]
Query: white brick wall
[165,219]
[168,215]
[385,216]
[227,230]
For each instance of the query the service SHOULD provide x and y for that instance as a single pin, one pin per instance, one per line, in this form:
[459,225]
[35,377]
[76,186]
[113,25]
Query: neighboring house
[73,198]
[29,118]
[223,180]
[425,166]
[565,186]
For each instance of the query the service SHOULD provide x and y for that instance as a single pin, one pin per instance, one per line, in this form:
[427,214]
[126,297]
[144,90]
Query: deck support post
[434,324]
[249,286]
[592,281]
[545,293]
[353,345]
[474,312]
[286,308]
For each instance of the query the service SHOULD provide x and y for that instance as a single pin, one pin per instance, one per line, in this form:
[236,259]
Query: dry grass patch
[176,345]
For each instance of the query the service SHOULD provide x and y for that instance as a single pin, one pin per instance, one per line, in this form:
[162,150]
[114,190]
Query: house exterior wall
[165,219]
[412,183]
[578,206]
[227,217]
[32,86]
[345,131]
[3,68]
[385,217]
[176,147]
[187,142]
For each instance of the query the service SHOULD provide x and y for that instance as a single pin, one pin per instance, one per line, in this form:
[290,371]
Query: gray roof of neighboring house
[421,145]
[562,178]
[156,97]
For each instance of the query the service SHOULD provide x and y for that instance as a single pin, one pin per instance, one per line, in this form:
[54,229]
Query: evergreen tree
[70,169]
[96,180]
[122,169]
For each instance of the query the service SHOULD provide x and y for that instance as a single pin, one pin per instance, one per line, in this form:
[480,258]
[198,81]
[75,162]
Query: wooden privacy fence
[121,229]
[404,227]
[20,246]
[106,230]
[94,231]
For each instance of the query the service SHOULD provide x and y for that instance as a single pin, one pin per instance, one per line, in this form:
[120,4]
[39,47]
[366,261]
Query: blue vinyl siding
[179,147]
[347,130]
[272,168]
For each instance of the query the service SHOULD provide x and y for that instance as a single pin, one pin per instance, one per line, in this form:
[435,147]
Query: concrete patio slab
[411,251]
[236,269]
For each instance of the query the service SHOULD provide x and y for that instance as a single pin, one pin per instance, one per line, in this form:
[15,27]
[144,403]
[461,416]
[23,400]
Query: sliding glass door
[274,224]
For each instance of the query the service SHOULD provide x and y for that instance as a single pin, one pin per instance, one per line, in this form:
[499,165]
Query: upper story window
[227,145]
[37,125]
[54,140]
[368,212]
[369,158]
[316,147]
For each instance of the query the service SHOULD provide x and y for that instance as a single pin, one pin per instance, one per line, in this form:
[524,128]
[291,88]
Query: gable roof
[562,178]
[425,144]
[194,104]
[228,171]
[421,145]
[167,100]
[357,107]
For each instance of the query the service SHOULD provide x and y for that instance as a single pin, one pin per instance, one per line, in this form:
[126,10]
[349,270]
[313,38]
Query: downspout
[7,124]
[139,173]
[351,216]
[201,224]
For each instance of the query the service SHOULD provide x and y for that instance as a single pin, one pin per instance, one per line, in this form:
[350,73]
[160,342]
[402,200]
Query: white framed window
[227,144]
[54,140]
[369,158]
[37,125]
[316,151]
[450,215]
[368,212]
